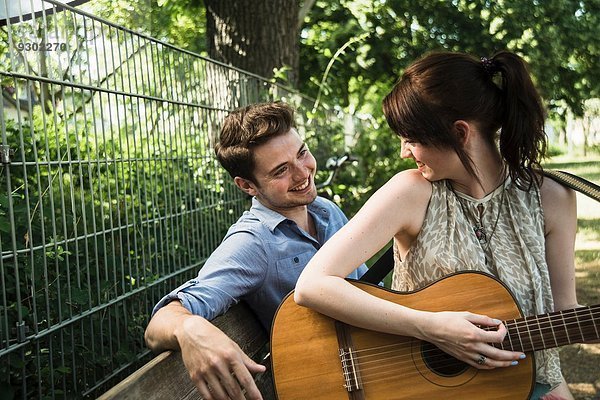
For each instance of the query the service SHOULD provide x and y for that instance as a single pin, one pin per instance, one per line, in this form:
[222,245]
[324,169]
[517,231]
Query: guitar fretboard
[556,329]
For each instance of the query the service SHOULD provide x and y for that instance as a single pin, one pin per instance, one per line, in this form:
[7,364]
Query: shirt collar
[272,218]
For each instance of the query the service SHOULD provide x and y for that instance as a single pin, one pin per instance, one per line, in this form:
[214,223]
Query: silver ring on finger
[481,359]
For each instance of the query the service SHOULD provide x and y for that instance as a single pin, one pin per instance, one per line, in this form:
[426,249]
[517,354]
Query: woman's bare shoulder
[555,194]
[411,184]
[406,191]
[559,204]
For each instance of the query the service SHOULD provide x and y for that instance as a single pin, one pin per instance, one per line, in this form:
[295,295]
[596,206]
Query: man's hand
[216,364]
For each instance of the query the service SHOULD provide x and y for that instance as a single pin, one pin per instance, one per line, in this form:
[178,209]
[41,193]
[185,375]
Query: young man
[261,255]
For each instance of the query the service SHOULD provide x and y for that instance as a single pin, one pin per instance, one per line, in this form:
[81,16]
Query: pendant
[480,234]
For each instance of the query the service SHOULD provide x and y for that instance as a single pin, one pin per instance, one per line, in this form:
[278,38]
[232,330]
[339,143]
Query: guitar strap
[575,182]
[385,263]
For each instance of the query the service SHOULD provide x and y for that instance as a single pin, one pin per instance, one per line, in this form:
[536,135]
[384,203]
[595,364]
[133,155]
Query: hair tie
[489,66]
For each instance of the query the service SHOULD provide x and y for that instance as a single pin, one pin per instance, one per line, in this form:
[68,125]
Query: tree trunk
[254,35]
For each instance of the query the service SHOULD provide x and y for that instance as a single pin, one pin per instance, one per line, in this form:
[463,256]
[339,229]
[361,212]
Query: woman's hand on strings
[464,336]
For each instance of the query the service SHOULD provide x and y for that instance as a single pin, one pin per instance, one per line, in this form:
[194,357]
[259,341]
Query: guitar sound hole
[440,362]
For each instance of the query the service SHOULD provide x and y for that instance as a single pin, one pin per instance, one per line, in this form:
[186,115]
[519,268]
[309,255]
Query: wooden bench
[165,376]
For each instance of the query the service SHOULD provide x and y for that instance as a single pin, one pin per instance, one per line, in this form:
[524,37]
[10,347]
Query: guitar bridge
[351,378]
[349,362]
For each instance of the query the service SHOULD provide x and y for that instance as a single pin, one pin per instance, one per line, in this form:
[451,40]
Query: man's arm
[217,365]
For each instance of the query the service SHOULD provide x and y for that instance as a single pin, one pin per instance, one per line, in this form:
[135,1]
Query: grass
[581,362]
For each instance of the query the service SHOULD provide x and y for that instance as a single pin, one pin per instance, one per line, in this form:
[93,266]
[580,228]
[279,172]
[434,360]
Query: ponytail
[522,136]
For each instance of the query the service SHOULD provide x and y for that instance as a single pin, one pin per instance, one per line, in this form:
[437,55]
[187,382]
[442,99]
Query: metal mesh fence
[109,192]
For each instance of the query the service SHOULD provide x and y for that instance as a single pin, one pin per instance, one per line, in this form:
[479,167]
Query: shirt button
[296,260]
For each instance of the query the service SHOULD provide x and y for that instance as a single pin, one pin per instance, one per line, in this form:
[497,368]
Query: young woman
[476,201]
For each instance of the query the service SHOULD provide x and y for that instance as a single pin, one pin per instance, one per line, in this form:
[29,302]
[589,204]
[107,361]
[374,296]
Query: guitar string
[370,362]
[402,346]
[374,374]
[369,373]
[362,354]
[516,329]
[402,358]
[400,355]
[535,324]
[511,327]
[373,359]
[559,316]
[581,314]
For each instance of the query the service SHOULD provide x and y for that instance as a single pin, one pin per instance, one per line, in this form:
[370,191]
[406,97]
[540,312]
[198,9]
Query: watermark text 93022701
[46,46]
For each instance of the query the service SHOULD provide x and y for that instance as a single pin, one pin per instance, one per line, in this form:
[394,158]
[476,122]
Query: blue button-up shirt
[259,261]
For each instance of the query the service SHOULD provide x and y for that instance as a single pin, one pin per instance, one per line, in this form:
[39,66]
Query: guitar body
[306,363]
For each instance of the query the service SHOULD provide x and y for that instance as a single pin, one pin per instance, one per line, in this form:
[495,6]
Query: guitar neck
[556,329]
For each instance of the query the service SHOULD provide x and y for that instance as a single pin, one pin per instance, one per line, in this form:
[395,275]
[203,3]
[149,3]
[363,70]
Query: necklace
[478,227]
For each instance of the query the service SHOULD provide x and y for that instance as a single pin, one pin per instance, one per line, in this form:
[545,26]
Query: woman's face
[434,163]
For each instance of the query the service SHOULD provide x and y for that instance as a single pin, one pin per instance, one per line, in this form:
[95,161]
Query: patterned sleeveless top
[501,234]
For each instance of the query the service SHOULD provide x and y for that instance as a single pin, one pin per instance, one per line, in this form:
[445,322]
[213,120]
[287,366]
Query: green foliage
[106,195]
[74,207]
[558,38]
[554,150]
[181,23]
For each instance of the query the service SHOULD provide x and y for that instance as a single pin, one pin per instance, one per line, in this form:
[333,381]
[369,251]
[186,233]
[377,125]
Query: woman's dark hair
[246,128]
[443,87]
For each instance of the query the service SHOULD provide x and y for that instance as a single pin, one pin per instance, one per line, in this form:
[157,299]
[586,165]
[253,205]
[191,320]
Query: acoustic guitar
[316,357]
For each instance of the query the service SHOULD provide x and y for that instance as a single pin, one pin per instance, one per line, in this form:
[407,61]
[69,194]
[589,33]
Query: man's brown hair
[246,128]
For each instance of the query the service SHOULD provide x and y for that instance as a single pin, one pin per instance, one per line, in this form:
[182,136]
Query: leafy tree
[557,37]
[181,23]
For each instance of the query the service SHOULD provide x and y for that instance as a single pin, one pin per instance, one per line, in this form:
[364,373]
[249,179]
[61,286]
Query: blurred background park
[109,191]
